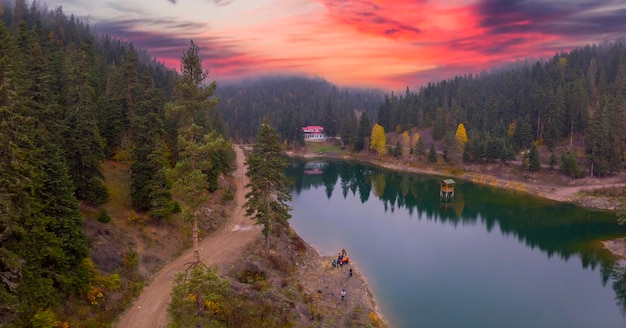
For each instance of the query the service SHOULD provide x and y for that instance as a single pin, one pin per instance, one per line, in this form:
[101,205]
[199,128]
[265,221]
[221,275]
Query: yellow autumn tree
[406,139]
[461,135]
[416,137]
[378,141]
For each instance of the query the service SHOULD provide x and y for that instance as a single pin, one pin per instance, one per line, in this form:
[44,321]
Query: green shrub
[228,195]
[251,276]
[103,216]
[177,208]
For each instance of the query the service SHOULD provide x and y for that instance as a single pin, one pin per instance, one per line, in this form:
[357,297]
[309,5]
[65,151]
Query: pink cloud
[387,44]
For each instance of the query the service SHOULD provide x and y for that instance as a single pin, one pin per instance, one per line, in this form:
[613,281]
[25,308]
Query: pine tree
[420,148]
[451,149]
[364,130]
[569,165]
[329,120]
[439,124]
[191,110]
[598,142]
[83,144]
[553,160]
[432,154]
[17,171]
[205,287]
[533,159]
[149,185]
[269,187]
[522,136]
[348,127]
[397,150]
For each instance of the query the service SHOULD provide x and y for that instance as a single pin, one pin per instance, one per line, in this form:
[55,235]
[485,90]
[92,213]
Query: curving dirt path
[563,194]
[220,248]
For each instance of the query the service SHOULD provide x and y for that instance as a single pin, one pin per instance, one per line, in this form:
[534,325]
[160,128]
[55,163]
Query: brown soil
[219,248]
[237,244]
[316,279]
[324,283]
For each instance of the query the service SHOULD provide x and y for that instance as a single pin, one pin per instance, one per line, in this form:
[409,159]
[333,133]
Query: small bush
[103,216]
[134,218]
[374,320]
[177,208]
[44,319]
[298,244]
[228,195]
[251,276]
[281,263]
[261,285]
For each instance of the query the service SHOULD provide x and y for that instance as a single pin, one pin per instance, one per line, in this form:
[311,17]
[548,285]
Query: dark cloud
[561,18]
[219,54]
[165,45]
[423,77]
[487,46]
[163,24]
[216,2]
[222,2]
[125,8]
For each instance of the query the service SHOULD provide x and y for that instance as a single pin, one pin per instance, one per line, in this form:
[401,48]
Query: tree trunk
[196,244]
[571,134]
[267,243]
[200,307]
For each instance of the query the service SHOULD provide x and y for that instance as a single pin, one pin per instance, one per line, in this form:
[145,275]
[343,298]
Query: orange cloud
[376,43]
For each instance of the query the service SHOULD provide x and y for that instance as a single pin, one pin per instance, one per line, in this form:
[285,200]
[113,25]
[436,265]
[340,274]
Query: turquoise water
[490,258]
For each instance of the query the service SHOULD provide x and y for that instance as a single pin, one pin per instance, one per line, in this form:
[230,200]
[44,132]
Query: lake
[488,258]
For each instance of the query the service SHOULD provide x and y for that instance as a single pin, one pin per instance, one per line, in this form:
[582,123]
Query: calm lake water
[490,258]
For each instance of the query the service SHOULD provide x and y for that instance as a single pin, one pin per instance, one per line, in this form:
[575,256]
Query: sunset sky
[369,43]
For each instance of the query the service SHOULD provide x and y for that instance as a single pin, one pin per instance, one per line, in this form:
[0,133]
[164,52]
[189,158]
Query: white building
[314,133]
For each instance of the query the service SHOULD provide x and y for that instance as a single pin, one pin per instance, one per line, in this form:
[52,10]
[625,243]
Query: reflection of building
[315,167]
[446,191]
[314,133]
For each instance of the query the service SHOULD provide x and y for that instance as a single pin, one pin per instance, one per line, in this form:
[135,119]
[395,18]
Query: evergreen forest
[71,99]
[574,103]
[291,103]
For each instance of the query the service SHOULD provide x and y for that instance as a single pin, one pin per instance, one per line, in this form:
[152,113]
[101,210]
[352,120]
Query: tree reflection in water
[554,228]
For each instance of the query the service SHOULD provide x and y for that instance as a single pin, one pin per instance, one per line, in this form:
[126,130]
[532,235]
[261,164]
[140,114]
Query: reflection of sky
[374,43]
[428,274]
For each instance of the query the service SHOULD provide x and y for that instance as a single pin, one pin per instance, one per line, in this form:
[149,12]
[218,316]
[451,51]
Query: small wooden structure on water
[446,189]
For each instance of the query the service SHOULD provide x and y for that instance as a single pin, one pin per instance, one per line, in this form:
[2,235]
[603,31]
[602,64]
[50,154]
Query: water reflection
[569,231]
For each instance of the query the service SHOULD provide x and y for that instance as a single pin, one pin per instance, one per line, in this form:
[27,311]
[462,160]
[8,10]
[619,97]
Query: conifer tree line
[291,103]
[576,97]
[69,100]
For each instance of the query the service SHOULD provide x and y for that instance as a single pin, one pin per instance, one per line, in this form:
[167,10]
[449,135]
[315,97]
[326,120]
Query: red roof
[313,128]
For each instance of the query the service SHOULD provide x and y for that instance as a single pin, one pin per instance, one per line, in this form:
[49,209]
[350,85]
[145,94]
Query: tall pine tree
[267,200]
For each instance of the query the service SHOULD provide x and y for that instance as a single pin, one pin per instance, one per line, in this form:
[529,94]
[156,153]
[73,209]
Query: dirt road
[219,248]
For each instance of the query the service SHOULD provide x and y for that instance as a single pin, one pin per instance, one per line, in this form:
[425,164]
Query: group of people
[342,259]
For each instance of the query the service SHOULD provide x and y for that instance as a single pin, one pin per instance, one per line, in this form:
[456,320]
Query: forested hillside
[69,100]
[575,100]
[291,103]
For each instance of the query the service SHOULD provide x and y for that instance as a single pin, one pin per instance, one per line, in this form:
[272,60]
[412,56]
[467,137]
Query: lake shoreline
[570,193]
